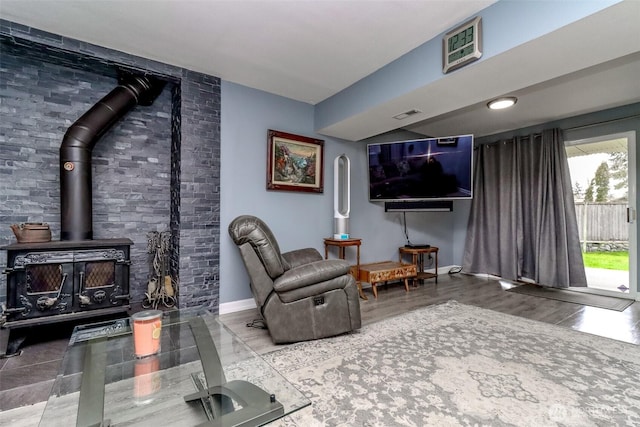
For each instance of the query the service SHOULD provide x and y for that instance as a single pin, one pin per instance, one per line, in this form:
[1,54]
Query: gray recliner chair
[301,296]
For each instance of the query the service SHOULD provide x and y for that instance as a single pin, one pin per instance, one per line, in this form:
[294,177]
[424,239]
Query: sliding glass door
[603,179]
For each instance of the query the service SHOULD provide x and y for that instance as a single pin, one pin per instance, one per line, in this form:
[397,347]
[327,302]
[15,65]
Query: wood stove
[45,279]
[76,276]
[65,280]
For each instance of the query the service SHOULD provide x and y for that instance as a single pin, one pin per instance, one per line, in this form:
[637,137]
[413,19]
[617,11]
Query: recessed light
[500,103]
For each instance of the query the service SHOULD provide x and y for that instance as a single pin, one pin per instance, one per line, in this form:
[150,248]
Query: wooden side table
[417,258]
[341,244]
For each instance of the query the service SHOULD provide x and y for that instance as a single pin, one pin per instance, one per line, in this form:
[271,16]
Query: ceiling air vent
[406,114]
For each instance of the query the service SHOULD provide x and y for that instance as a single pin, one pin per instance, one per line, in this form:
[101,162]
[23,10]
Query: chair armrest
[310,274]
[300,257]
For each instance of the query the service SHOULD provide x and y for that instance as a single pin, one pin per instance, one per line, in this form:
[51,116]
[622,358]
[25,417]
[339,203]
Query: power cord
[429,260]
[404,221]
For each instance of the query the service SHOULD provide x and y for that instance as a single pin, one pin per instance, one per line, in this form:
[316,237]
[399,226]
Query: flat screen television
[421,169]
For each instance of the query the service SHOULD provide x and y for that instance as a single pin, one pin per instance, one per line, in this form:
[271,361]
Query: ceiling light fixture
[500,103]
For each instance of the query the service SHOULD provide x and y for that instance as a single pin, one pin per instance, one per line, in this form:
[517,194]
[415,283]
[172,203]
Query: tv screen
[421,169]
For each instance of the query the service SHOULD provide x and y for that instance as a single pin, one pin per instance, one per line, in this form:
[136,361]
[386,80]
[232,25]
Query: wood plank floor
[392,301]
[472,290]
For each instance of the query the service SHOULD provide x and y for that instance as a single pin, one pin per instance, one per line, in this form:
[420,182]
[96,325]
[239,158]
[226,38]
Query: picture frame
[295,163]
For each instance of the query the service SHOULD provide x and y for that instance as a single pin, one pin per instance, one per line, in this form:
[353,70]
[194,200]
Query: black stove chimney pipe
[76,210]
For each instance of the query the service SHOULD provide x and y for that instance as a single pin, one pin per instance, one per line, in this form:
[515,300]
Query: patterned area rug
[458,365]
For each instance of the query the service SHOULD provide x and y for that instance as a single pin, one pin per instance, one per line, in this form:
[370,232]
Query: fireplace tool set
[160,287]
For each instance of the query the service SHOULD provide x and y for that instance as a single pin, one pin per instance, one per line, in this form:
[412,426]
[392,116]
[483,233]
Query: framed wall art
[295,163]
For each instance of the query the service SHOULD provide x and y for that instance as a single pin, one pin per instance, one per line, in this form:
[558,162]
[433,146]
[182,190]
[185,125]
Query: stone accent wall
[608,246]
[174,220]
[131,164]
[157,169]
[200,190]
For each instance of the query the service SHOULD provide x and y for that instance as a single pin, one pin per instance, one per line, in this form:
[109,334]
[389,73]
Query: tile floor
[27,376]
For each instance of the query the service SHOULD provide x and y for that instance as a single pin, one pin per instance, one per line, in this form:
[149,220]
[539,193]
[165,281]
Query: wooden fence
[602,222]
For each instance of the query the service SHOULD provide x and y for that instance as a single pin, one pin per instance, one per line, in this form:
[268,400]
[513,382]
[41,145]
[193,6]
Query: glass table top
[203,375]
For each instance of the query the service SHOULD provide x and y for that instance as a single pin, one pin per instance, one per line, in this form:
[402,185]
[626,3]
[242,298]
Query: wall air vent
[406,114]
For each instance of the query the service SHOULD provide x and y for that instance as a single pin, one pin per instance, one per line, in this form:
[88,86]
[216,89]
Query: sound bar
[419,206]
[411,246]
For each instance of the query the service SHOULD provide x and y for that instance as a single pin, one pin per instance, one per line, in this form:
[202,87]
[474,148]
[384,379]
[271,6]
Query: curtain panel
[522,223]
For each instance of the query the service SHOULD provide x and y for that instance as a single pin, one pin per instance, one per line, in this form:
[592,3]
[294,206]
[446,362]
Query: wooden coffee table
[384,271]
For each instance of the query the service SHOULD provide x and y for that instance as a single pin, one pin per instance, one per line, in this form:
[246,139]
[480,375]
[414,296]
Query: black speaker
[419,206]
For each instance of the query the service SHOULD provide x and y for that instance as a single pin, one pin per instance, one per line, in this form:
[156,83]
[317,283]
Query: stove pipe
[76,207]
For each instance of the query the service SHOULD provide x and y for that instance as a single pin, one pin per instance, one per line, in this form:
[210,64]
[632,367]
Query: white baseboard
[442,269]
[233,306]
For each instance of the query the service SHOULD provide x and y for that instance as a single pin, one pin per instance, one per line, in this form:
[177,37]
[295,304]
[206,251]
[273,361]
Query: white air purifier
[341,196]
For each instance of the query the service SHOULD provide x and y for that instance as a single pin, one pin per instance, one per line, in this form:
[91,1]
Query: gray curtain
[523,222]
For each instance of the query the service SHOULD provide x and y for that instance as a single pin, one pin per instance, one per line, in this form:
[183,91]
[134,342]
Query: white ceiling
[303,50]
[310,50]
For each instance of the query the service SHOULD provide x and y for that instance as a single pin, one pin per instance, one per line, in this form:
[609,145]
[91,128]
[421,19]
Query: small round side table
[341,244]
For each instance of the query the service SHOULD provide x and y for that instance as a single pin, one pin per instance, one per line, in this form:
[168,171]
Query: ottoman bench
[384,271]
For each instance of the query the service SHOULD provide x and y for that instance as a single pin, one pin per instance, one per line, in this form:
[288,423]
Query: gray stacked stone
[609,246]
[156,169]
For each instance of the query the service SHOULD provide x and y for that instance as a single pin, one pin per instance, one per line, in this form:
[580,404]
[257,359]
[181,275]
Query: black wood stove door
[57,282]
[102,278]
[41,284]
